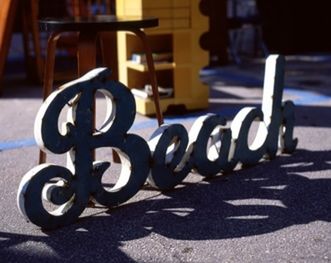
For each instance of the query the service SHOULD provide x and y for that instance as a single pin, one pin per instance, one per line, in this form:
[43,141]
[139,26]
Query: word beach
[164,161]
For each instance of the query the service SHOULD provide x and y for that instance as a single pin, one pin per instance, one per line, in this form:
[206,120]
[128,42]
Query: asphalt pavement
[276,211]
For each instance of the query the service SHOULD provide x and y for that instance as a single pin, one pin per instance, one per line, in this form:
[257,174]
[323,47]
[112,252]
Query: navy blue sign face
[209,148]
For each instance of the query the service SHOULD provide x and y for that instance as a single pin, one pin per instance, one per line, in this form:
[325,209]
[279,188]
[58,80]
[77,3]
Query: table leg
[87,60]
[49,76]
[152,74]
[86,52]
[49,64]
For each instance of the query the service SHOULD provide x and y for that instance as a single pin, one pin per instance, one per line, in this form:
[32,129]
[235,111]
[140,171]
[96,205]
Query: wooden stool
[88,29]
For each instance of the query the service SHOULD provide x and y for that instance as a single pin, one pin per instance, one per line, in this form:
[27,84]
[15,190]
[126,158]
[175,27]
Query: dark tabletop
[97,23]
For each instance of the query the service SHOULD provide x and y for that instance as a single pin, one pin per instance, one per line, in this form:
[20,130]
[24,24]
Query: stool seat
[88,29]
[98,22]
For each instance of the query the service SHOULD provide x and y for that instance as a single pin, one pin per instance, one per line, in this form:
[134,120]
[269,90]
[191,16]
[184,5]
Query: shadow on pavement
[253,201]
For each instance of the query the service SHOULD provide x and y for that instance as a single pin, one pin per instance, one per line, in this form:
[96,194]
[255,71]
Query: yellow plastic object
[181,25]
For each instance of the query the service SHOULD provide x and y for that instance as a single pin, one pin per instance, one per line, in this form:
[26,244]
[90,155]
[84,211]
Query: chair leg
[152,74]
[108,47]
[49,75]
[49,64]
[87,59]
[86,54]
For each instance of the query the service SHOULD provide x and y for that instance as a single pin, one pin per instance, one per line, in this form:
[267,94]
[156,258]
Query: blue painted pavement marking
[17,144]
[305,97]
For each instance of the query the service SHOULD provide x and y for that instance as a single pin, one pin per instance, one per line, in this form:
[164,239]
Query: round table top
[97,23]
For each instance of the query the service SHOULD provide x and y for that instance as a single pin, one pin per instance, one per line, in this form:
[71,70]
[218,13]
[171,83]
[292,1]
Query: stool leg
[49,64]
[49,76]
[108,46]
[152,74]
[86,62]
[87,57]
[86,52]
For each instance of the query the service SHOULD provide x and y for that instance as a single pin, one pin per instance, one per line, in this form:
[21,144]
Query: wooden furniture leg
[86,57]
[49,75]
[108,48]
[86,52]
[50,63]
[152,74]
[86,62]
